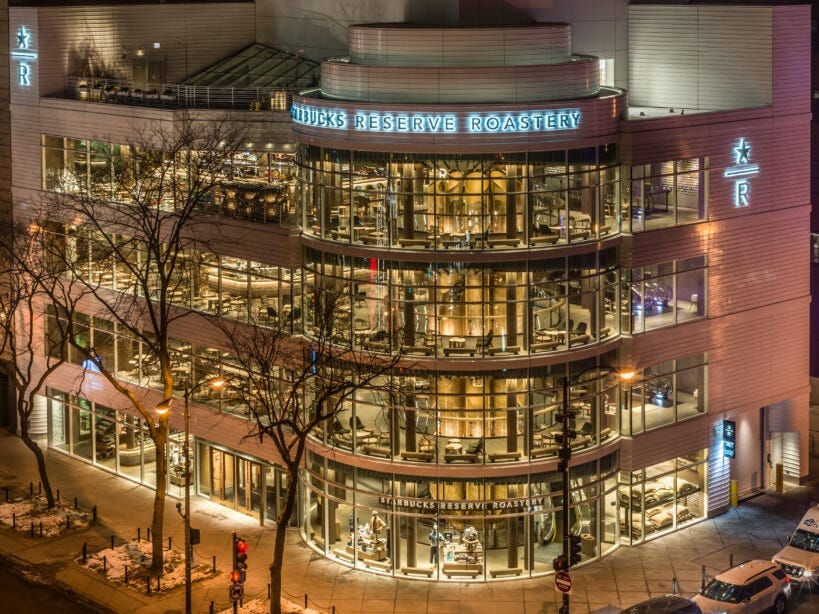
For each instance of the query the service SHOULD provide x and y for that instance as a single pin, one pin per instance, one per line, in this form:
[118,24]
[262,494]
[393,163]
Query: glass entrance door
[249,486]
[222,477]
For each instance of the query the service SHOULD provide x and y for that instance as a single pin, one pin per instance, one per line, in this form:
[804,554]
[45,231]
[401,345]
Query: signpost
[237,591]
[563,582]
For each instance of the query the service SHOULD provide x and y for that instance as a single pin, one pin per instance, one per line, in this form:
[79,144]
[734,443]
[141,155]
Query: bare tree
[26,284]
[128,238]
[297,385]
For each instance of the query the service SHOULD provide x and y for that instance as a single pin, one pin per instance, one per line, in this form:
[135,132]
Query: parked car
[664,604]
[800,558]
[750,587]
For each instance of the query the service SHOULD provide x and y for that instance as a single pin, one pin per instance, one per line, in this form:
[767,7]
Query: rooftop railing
[179,96]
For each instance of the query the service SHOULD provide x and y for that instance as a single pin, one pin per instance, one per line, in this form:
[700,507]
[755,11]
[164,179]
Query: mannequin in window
[436,540]
[376,524]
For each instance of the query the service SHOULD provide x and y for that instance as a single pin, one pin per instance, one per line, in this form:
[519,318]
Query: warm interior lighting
[218,383]
[626,376]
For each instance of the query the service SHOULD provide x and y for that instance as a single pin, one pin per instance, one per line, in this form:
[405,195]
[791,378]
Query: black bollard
[32,528]
[210,610]
[730,560]
[126,574]
[94,514]
[41,530]
[14,521]
[214,563]
[76,504]
[169,542]
[68,523]
[157,584]
[112,542]
[305,601]
[149,535]
[84,552]
[31,489]
[139,534]
[104,565]
[148,581]
[58,495]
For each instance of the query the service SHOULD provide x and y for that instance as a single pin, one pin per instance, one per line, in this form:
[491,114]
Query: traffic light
[236,576]
[564,454]
[239,558]
[560,563]
[574,549]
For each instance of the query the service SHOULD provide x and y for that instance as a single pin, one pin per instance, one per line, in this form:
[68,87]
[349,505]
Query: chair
[359,425]
[476,448]
[485,342]
[271,313]
[339,428]
[379,335]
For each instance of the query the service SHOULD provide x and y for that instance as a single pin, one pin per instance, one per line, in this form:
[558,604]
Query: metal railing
[179,96]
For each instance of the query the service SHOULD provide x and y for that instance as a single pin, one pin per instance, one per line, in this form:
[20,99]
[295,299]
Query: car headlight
[807,573]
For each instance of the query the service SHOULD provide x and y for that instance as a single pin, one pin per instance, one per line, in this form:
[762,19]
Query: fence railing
[179,96]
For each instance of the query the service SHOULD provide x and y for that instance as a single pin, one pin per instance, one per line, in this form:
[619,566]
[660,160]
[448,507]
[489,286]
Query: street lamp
[162,409]
[567,434]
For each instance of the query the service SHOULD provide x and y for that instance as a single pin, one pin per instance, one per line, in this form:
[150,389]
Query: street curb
[31,574]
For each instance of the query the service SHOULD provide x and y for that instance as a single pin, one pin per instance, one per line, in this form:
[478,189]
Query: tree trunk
[157,523]
[278,549]
[41,465]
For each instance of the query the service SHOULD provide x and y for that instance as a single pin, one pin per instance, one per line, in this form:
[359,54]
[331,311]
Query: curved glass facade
[469,309]
[494,416]
[491,201]
[455,528]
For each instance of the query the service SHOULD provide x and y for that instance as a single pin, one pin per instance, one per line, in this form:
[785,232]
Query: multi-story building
[583,191]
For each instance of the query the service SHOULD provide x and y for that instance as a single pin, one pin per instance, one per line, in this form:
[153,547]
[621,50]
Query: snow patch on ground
[63,518]
[262,606]
[136,557]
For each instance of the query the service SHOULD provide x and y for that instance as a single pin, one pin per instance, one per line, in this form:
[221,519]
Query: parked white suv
[750,587]
[800,558]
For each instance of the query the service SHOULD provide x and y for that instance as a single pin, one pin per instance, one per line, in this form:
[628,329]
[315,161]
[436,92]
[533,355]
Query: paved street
[757,529]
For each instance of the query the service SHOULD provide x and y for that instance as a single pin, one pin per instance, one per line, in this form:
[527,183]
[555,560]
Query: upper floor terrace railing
[178,96]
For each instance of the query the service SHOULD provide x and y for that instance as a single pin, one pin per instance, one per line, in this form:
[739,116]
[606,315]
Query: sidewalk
[757,529]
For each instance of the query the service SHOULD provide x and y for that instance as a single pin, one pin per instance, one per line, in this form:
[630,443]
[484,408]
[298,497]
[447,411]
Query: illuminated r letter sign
[24,54]
[24,74]
[741,172]
[741,190]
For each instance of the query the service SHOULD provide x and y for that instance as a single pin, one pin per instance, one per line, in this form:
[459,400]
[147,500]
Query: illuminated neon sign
[436,123]
[23,55]
[741,172]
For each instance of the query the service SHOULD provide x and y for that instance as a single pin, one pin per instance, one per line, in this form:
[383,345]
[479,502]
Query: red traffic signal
[235,576]
[240,548]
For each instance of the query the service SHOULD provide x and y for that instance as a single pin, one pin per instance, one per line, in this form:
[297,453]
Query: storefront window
[456,201]
[458,529]
[665,393]
[662,497]
[458,310]
[251,185]
[665,294]
[665,194]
